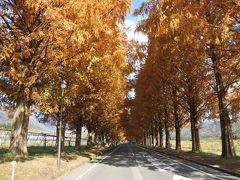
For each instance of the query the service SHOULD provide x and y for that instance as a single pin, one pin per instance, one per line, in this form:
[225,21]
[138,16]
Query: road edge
[193,161]
[107,150]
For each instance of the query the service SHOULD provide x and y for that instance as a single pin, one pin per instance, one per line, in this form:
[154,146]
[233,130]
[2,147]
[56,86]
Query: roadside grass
[33,152]
[208,145]
[40,164]
[6,127]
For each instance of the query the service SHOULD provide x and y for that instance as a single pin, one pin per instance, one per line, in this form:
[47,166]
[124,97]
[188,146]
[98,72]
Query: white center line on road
[135,170]
[181,163]
[93,166]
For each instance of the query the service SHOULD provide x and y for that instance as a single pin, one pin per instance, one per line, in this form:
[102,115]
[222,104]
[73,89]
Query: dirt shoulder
[43,166]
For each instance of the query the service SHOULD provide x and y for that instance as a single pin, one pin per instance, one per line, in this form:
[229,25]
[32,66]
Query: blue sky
[135,4]
[132,21]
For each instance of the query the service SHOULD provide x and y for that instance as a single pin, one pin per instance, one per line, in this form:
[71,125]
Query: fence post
[45,140]
[13,168]
[69,142]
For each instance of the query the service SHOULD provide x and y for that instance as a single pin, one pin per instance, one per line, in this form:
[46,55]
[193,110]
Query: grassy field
[208,145]
[40,164]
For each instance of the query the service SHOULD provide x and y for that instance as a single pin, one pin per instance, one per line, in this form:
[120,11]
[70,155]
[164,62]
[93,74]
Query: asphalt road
[130,162]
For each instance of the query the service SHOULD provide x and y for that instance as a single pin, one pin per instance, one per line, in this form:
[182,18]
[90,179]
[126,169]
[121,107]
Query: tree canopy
[191,70]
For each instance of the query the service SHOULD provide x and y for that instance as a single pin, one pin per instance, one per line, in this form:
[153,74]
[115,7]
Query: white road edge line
[93,166]
[180,162]
[154,164]
[138,164]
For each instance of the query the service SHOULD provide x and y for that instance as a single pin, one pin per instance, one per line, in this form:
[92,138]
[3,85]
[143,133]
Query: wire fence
[39,139]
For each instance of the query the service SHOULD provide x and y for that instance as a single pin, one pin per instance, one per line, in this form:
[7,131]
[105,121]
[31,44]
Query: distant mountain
[185,134]
[33,123]
[208,129]
[213,129]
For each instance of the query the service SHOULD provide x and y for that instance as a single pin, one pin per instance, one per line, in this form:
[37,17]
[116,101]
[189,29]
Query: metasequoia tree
[195,53]
[93,65]
[222,40]
[44,42]
[23,49]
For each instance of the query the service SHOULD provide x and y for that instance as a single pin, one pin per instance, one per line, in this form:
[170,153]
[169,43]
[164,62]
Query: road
[131,162]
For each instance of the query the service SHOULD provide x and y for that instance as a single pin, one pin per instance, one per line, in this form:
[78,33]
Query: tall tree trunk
[96,138]
[18,138]
[78,136]
[160,136]
[177,121]
[90,138]
[160,132]
[153,134]
[196,147]
[167,133]
[156,132]
[103,139]
[99,138]
[148,139]
[228,149]
[144,140]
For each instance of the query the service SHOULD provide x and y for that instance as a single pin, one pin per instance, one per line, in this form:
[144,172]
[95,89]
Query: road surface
[131,162]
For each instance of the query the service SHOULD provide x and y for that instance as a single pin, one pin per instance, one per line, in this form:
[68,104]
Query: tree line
[190,72]
[46,42]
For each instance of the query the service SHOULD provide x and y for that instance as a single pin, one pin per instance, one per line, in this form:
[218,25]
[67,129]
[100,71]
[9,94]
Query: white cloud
[131,34]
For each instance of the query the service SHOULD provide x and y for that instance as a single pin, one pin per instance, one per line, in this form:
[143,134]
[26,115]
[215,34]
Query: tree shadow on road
[148,160]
